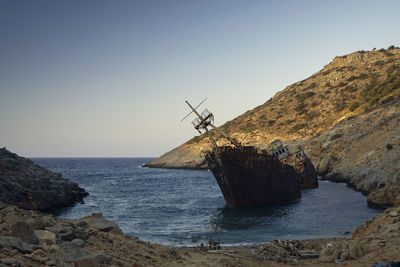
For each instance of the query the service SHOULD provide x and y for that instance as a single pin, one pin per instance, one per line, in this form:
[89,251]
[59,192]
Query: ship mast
[206,119]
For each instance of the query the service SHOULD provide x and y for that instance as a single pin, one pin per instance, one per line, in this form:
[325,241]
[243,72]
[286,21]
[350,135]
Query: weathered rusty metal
[251,177]
[205,120]
[248,178]
[300,162]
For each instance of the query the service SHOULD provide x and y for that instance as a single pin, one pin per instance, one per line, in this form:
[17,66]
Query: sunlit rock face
[344,117]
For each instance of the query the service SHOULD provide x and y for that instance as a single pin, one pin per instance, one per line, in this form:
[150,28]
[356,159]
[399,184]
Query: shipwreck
[249,176]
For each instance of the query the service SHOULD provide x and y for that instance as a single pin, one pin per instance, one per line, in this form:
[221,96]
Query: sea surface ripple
[185,207]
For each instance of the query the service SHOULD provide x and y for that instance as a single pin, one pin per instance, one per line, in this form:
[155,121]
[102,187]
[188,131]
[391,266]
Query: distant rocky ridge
[345,117]
[29,186]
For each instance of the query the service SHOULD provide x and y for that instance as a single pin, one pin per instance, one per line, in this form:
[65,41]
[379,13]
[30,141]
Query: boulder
[120,263]
[57,229]
[15,243]
[385,197]
[393,214]
[355,250]
[82,225]
[98,222]
[25,232]
[9,261]
[54,249]
[397,202]
[39,255]
[81,235]
[327,259]
[93,260]
[106,226]
[41,222]
[50,262]
[46,237]
[67,252]
[79,242]
[324,165]
[327,251]
[67,236]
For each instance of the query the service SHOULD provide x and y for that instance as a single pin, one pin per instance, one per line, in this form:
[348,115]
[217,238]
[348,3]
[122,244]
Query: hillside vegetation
[350,85]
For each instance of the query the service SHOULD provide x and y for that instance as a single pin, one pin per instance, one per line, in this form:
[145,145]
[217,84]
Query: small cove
[184,207]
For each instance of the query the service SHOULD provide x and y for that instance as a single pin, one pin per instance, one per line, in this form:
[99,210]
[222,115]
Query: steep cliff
[364,152]
[344,116]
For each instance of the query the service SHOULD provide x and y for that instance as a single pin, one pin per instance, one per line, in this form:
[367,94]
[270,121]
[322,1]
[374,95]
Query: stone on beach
[79,242]
[69,252]
[39,255]
[393,213]
[93,260]
[9,261]
[98,222]
[25,232]
[15,243]
[46,237]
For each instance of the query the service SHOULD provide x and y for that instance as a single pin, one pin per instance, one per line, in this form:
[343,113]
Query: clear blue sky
[109,78]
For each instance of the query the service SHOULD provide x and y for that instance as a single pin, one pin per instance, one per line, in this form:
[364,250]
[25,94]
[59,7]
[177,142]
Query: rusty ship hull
[247,177]
[300,162]
[304,168]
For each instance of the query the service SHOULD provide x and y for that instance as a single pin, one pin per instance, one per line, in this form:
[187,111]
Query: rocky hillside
[363,151]
[30,186]
[345,115]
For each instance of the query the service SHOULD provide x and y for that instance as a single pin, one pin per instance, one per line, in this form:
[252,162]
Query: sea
[186,207]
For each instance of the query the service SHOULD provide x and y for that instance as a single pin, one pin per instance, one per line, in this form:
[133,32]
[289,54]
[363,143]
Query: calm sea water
[182,207]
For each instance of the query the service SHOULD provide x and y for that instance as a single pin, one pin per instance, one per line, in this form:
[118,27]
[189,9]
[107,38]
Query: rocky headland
[30,186]
[346,117]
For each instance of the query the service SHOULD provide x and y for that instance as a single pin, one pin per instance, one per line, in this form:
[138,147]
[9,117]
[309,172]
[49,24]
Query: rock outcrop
[30,186]
[362,151]
[377,238]
[386,196]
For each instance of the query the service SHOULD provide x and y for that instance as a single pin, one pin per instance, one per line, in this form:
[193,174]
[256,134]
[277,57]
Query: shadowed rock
[15,243]
[93,260]
[25,232]
[30,186]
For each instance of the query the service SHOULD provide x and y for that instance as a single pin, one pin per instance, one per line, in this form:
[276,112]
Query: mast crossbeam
[205,119]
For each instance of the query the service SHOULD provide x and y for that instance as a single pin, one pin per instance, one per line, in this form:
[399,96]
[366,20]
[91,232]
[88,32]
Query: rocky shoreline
[362,151]
[33,238]
[30,237]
